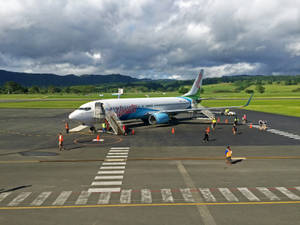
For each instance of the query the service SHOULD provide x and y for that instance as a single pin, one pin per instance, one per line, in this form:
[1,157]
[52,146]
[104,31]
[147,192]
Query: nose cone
[72,115]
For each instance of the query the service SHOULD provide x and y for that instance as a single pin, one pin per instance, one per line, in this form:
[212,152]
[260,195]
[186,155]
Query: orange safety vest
[60,138]
[67,126]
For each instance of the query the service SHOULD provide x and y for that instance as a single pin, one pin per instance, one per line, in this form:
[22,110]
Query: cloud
[153,39]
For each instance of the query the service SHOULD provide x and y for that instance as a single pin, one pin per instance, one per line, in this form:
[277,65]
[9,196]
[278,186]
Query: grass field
[285,106]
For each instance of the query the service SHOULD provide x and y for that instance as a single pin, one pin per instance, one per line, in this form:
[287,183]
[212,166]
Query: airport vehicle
[157,110]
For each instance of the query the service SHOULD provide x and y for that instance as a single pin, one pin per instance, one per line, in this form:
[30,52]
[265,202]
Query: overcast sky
[151,39]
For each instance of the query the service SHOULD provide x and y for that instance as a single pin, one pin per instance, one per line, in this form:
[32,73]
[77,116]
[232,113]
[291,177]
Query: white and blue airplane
[157,110]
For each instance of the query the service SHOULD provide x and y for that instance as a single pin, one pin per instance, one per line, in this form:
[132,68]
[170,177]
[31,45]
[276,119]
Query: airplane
[158,110]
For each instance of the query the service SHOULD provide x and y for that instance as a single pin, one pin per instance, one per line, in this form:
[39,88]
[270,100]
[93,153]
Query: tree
[34,90]
[11,87]
[260,88]
[183,90]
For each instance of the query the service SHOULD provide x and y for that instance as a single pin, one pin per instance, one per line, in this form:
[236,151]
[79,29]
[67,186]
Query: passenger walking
[103,127]
[244,119]
[235,122]
[206,136]
[213,123]
[228,154]
[67,127]
[260,123]
[234,129]
[60,142]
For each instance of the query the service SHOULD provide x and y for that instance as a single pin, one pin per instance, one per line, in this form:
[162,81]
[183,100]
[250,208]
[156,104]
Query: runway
[152,177]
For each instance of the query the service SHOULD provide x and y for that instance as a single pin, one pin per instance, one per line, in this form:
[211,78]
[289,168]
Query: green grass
[289,107]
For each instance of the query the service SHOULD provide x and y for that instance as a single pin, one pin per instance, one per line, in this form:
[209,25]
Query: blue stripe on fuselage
[189,100]
[138,114]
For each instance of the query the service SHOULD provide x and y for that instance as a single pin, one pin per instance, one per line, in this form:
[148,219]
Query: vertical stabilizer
[196,86]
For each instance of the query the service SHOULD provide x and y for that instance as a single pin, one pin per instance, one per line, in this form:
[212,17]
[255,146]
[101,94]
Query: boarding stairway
[206,112]
[101,114]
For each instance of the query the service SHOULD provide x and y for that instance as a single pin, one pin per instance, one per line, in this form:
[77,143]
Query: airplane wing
[175,111]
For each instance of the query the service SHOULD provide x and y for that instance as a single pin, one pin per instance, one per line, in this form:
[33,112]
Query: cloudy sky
[151,39]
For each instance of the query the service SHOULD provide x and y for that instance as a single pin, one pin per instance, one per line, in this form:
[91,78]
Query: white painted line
[270,195]
[248,194]
[112,167]
[113,163]
[116,156]
[41,198]
[62,198]
[288,193]
[125,197]
[100,140]
[207,195]
[108,178]
[17,200]
[111,172]
[298,188]
[104,198]
[105,183]
[146,196]
[117,153]
[115,160]
[4,195]
[228,195]
[187,195]
[167,195]
[97,190]
[119,148]
[83,198]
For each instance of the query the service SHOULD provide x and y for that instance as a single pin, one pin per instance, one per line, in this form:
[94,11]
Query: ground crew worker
[228,154]
[226,112]
[206,136]
[103,127]
[244,119]
[235,122]
[67,127]
[234,129]
[260,123]
[213,123]
[60,142]
[124,129]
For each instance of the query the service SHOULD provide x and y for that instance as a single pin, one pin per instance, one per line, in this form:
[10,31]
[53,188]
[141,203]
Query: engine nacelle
[158,118]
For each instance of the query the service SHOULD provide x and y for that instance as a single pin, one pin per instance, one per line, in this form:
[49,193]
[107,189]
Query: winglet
[249,100]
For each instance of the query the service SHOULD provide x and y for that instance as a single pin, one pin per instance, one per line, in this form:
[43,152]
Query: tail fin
[195,90]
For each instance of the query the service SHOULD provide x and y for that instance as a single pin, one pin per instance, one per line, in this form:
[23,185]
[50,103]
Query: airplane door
[99,112]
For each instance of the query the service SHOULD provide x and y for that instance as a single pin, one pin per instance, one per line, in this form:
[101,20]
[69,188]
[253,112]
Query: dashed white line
[119,148]
[125,197]
[83,198]
[17,200]
[97,190]
[228,195]
[248,194]
[111,172]
[117,153]
[270,195]
[112,167]
[108,177]
[113,163]
[41,198]
[62,198]
[166,195]
[146,196]
[187,194]
[116,156]
[288,193]
[207,195]
[105,183]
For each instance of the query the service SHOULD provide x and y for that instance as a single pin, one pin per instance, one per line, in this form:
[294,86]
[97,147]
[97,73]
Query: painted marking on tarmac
[279,132]
[148,205]
[146,196]
[207,195]
[166,195]
[112,167]
[20,198]
[108,178]
[270,195]
[83,198]
[104,198]
[288,193]
[106,183]
[62,198]
[116,156]
[4,195]
[125,197]
[228,195]
[111,172]
[113,163]
[41,198]
[117,153]
[120,148]
[187,194]
[98,190]
[248,194]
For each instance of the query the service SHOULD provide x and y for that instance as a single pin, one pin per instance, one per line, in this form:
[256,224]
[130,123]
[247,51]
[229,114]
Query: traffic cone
[98,138]
[132,132]
[173,130]
[218,120]
[226,121]
[250,126]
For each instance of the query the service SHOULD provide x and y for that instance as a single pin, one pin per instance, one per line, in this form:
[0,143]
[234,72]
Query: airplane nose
[72,115]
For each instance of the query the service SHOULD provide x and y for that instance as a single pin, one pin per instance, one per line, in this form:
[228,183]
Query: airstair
[206,112]
[101,114]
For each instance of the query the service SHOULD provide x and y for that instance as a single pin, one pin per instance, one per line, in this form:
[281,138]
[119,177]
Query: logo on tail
[195,90]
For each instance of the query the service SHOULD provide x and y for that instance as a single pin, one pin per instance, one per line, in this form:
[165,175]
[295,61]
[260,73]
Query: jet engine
[158,118]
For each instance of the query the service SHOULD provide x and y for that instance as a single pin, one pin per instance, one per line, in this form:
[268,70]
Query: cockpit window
[85,109]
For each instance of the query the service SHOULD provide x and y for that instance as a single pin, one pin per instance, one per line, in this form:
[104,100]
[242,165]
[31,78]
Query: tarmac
[151,177]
